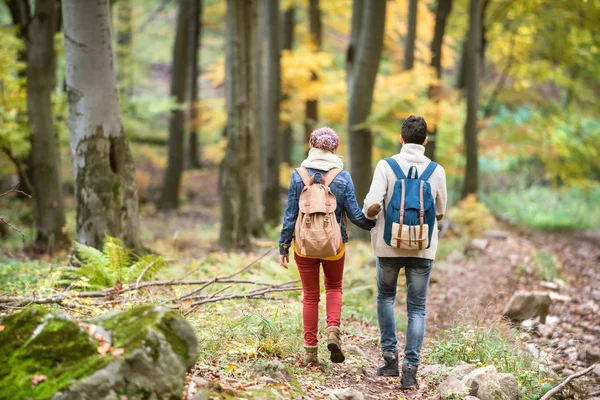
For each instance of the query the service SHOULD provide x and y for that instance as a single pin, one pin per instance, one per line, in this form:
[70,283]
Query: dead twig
[558,388]
[12,226]
[137,282]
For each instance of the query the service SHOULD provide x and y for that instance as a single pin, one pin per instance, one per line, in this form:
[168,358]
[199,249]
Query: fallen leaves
[37,379]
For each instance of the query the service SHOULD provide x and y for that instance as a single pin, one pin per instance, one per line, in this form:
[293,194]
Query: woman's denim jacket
[343,189]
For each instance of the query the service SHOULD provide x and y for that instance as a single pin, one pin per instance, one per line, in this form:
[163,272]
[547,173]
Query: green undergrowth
[481,345]
[23,277]
[548,209]
[544,266]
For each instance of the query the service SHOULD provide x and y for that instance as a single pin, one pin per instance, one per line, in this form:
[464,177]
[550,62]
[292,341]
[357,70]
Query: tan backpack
[318,233]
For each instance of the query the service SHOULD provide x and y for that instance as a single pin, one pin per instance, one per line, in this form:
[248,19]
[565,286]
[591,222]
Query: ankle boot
[334,344]
[409,376]
[390,364]
[311,356]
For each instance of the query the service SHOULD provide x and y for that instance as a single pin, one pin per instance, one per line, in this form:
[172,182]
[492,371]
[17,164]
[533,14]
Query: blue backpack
[410,215]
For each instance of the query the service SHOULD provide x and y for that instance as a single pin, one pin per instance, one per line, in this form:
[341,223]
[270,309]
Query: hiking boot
[334,344]
[409,376]
[312,356]
[390,364]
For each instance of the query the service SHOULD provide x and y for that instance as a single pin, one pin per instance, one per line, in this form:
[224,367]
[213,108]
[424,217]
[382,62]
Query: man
[417,264]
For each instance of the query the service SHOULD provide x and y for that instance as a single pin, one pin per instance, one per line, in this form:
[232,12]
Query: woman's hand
[373,210]
[284,259]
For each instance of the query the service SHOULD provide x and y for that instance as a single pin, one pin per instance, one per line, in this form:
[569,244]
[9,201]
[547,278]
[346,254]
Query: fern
[114,263]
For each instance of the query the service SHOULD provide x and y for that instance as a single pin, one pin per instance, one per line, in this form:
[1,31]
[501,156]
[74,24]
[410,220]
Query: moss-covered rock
[159,346]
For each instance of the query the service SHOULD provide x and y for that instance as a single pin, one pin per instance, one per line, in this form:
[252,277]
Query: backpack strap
[428,171]
[413,173]
[331,175]
[395,167]
[304,175]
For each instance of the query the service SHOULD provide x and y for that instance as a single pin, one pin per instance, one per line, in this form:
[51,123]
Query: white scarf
[322,160]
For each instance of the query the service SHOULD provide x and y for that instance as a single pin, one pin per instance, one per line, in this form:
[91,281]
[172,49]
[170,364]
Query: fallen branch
[558,388]
[15,189]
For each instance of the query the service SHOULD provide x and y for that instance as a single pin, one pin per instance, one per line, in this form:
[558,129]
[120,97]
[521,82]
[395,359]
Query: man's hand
[284,259]
[373,210]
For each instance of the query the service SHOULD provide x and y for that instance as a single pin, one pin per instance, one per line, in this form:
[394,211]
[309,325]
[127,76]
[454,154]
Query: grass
[481,345]
[548,209]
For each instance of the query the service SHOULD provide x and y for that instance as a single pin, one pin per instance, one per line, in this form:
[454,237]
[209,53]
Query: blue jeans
[417,271]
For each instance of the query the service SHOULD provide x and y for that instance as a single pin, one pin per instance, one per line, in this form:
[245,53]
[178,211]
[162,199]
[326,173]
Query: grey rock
[549,285]
[353,349]
[476,374]
[496,234]
[434,370]
[530,325]
[348,394]
[199,396]
[460,371]
[588,354]
[528,305]
[545,331]
[532,349]
[272,369]
[509,386]
[596,371]
[490,389]
[268,380]
[476,246]
[452,386]
[200,381]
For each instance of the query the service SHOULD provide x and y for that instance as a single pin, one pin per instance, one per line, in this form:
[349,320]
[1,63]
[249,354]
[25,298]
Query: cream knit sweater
[381,192]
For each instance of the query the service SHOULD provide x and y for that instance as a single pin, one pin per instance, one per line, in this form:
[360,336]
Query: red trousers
[309,269]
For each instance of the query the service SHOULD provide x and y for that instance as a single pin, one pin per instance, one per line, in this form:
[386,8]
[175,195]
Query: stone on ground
[272,368]
[527,305]
[452,387]
[346,394]
[486,384]
[353,349]
[434,370]
[476,246]
[462,370]
[144,352]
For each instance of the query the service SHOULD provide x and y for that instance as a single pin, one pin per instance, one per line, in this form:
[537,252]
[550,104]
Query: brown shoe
[311,357]
[334,344]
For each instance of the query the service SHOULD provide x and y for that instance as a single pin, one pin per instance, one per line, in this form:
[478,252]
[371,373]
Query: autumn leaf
[37,379]
[118,352]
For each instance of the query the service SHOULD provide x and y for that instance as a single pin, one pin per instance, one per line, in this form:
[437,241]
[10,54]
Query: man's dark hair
[414,130]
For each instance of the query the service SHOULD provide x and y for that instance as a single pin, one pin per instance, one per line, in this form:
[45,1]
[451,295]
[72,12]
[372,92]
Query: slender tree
[441,15]
[105,187]
[41,80]
[361,91]
[287,42]
[194,158]
[169,198]
[240,161]
[311,116]
[471,177]
[271,138]
[357,13]
[411,36]
[125,46]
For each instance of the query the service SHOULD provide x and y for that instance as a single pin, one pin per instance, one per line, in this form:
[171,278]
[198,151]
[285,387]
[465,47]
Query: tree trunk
[239,163]
[441,15]
[194,159]
[124,47]
[357,13]
[461,77]
[287,42]
[271,158]
[311,115]
[105,187]
[169,198]
[470,184]
[361,90]
[41,80]
[411,36]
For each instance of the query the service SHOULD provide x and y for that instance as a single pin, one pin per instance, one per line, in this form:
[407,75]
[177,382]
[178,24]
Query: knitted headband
[324,139]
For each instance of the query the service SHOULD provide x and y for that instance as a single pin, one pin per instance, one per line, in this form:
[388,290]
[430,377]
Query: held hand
[373,210]
[284,259]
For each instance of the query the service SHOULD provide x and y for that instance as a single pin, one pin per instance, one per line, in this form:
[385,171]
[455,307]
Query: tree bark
[357,13]
[287,42]
[271,158]
[361,90]
[239,163]
[461,77]
[471,177]
[169,198]
[105,187]
[41,80]
[411,36]
[311,115]
[444,7]
[194,158]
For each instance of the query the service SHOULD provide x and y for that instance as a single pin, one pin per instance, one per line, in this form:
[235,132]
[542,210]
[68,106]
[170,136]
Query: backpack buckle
[307,222]
[326,221]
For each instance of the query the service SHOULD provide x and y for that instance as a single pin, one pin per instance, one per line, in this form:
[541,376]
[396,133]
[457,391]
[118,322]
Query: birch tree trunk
[287,42]
[169,198]
[444,7]
[411,36]
[271,158]
[45,167]
[311,116]
[105,187]
[471,177]
[361,90]
[194,159]
[239,163]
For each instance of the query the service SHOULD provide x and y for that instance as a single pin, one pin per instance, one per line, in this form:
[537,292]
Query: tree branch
[558,388]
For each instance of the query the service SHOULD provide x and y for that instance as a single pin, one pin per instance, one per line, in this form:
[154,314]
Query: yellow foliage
[472,216]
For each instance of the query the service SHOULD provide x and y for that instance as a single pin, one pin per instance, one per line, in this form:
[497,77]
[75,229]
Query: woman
[324,143]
